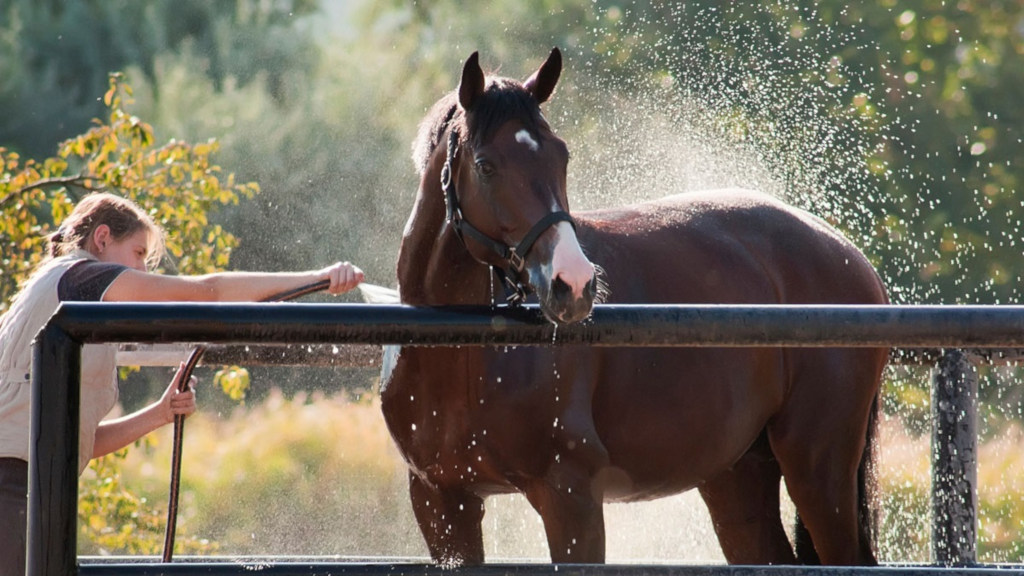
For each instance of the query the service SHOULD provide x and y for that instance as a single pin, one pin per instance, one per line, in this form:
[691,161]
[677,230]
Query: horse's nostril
[560,289]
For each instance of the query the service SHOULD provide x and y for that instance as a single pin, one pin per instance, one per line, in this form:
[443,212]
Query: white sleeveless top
[29,312]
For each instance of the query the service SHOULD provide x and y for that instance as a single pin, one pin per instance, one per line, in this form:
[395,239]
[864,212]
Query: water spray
[373,294]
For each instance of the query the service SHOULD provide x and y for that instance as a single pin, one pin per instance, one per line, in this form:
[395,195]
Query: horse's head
[505,184]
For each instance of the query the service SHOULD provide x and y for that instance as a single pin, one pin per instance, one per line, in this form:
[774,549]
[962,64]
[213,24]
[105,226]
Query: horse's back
[725,246]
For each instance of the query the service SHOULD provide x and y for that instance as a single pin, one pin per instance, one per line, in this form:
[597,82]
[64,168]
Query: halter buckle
[515,260]
[516,297]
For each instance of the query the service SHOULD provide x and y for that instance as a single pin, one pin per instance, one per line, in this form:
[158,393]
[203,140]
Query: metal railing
[53,467]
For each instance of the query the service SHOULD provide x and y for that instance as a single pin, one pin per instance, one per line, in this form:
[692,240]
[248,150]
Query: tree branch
[77,180]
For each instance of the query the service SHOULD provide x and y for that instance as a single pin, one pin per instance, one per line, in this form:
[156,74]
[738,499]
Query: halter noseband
[515,256]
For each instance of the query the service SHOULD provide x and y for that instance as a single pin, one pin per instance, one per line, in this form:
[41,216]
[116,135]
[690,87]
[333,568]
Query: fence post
[954,460]
[53,455]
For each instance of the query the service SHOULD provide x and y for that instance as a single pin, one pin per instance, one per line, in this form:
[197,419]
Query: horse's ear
[542,83]
[472,84]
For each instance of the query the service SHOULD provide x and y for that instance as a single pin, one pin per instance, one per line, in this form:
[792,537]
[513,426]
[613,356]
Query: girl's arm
[136,286]
[112,435]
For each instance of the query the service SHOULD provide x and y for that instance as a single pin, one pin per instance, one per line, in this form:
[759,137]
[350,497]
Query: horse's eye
[485,168]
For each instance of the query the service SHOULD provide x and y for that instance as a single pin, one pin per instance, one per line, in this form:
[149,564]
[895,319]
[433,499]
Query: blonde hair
[121,215]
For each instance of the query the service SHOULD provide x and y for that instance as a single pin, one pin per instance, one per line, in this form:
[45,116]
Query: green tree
[55,55]
[948,74]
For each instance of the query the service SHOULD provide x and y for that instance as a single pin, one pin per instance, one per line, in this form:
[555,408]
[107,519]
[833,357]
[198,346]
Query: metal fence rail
[621,325]
[319,568]
[53,468]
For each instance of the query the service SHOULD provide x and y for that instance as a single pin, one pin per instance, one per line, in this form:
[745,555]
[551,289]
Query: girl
[102,252]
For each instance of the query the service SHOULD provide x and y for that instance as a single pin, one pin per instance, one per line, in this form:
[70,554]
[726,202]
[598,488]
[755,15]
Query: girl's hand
[114,434]
[173,402]
[344,276]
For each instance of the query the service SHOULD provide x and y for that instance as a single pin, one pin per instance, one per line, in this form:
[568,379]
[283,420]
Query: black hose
[179,420]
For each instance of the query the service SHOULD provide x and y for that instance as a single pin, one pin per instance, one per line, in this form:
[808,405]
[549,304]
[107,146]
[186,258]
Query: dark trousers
[13,508]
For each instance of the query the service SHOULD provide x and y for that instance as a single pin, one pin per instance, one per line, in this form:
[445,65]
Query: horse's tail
[805,552]
[867,489]
[867,503]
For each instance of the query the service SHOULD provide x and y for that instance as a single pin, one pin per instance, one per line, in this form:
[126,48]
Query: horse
[572,427]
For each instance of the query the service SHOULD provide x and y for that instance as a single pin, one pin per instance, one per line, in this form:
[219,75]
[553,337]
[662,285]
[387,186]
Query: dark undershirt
[87,280]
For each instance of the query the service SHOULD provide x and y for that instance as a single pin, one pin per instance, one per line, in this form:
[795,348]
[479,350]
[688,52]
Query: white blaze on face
[568,261]
[524,137]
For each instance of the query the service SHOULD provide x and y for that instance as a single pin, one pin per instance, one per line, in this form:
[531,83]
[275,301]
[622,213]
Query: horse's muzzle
[566,281]
[562,306]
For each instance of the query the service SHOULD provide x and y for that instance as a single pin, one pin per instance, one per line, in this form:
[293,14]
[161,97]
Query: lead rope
[179,420]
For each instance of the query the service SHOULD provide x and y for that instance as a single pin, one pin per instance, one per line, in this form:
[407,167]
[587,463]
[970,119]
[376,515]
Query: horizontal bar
[609,325]
[987,356]
[369,355]
[318,355]
[272,568]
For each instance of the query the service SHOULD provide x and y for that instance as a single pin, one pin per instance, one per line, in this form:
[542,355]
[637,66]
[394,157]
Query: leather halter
[514,256]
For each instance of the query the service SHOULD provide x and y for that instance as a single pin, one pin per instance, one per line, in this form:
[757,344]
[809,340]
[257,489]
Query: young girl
[102,252]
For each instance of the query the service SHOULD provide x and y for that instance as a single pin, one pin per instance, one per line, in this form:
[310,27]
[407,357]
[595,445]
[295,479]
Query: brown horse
[573,427]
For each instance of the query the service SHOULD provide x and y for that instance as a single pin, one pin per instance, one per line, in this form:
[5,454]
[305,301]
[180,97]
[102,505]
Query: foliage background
[899,122]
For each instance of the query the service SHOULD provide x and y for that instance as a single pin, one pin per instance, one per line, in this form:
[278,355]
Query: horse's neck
[434,268]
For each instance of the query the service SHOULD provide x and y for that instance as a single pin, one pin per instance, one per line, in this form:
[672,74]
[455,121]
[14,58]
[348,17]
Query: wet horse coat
[573,427]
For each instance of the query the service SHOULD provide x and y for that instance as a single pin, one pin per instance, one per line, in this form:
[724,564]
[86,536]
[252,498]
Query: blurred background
[899,122]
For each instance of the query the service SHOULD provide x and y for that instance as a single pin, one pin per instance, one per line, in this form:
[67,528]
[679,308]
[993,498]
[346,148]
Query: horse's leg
[450,521]
[571,505]
[744,506]
[819,438]
[570,496]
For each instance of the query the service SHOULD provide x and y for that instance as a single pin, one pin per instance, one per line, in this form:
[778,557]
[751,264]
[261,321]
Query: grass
[305,476]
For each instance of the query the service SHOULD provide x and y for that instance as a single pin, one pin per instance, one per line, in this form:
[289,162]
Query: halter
[514,256]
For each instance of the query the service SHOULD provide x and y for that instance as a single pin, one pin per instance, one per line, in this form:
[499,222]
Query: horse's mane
[503,99]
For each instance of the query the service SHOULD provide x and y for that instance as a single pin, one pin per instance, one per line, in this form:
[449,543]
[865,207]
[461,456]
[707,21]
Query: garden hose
[179,420]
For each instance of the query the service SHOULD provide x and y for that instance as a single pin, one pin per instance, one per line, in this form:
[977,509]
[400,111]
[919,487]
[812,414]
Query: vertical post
[53,455]
[954,460]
